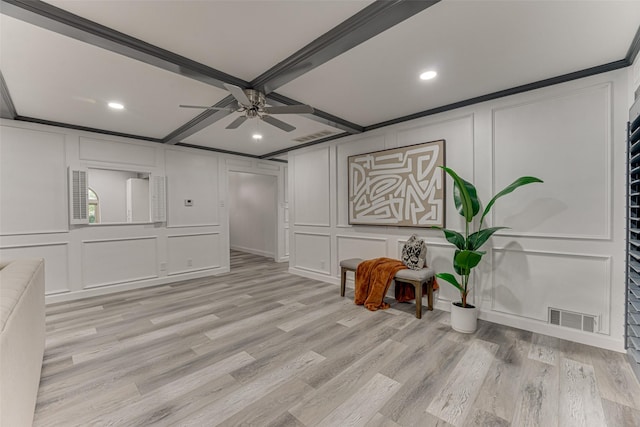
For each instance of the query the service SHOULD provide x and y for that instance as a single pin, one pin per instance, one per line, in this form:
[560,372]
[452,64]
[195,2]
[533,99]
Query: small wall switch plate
[188,202]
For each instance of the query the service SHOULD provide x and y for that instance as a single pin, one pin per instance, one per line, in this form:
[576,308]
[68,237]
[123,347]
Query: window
[94,207]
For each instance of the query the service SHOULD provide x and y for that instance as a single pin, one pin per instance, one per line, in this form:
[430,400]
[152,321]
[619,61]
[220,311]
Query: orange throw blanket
[373,278]
[406,292]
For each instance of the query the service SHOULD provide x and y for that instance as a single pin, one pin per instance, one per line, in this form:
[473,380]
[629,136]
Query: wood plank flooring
[261,347]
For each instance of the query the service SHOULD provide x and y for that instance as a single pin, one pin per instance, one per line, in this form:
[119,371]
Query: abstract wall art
[399,187]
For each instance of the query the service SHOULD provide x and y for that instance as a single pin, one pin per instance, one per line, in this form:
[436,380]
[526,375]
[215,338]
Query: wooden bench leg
[418,291]
[430,294]
[343,280]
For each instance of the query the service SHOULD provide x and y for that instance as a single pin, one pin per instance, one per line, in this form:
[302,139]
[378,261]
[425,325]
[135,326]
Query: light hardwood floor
[261,347]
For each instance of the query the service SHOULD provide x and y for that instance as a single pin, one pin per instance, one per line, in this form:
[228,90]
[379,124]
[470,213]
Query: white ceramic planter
[464,320]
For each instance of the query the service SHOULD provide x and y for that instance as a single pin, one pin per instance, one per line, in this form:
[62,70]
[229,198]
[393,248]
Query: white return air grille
[569,319]
[313,136]
[78,197]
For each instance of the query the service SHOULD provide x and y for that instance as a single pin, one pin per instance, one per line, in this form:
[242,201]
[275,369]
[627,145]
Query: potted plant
[467,254]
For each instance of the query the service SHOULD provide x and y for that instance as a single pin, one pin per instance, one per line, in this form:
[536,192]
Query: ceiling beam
[306,144]
[374,19]
[634,47]
[60,21]
[201,121]
[84,128]
[318,115]
[217,150]
[7,109]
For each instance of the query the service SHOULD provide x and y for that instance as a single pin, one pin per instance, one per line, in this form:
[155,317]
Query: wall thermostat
[188,202]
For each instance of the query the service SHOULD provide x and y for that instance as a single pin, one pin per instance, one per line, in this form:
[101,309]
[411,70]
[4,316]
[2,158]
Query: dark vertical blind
[632,328]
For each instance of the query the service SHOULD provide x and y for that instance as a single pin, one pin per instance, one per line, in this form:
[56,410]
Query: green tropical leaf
[523,180]
[448,277]
[473,196]
[464,198]
[452,236]
[477,239]
[456,267]
[466,260]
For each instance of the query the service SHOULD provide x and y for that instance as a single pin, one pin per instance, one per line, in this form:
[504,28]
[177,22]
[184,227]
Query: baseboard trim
[315,276]
[105,290]
[259,252]
[596,340]
[587,338]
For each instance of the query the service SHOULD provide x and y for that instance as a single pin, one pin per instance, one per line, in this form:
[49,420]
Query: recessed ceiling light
[257,136]
[116,105]
[428,75]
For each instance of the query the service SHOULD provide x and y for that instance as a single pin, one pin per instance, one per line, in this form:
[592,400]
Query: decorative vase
[464,319]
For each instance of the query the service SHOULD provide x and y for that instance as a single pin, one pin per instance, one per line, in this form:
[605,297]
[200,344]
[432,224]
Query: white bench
[417,278]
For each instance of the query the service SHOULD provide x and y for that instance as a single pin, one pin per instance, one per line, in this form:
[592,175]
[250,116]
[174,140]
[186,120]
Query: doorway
[253,213]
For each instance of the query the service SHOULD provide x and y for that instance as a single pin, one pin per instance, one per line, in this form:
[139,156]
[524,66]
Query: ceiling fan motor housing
[257,98]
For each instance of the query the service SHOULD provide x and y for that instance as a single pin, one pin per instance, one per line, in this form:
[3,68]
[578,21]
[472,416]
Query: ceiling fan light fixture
[257,136]
[428,75]
[115,105]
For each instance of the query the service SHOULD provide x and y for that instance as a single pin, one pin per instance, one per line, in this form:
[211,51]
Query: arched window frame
[94,206]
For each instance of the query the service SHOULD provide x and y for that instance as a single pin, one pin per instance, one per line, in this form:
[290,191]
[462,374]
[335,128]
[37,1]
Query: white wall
[253,217]
[87,260]
[565,248]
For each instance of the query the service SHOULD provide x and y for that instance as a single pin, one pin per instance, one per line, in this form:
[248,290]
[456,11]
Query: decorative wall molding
[605,288]
[326,203]
[364,239]
[109,151]
[606,163]
[245,163]
[209,233]
[192,255]
[144,272]
[326,256]
[50,270]
[268,166]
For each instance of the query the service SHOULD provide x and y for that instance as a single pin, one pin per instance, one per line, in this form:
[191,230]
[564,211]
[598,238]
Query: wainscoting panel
[33,182]
[192,176]
[112,261]
[573,129]
[361,247]
[56,262]
[117,152]
[311,188]
[527,283]
[313,252]
[193,252]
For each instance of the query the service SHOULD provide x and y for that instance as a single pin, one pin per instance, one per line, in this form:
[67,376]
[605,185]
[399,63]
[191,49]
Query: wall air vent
[569,319]
[78,197]
[314,136]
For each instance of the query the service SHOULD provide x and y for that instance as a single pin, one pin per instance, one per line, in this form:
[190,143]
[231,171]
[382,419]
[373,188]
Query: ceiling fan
[252,103]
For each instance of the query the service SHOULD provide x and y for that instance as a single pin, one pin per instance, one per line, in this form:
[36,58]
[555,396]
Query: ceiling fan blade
[278,123]
[238,94]
[237,122]
[202,107]
[289,109]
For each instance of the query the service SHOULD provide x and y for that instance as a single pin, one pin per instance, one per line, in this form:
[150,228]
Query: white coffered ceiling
[62,61]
